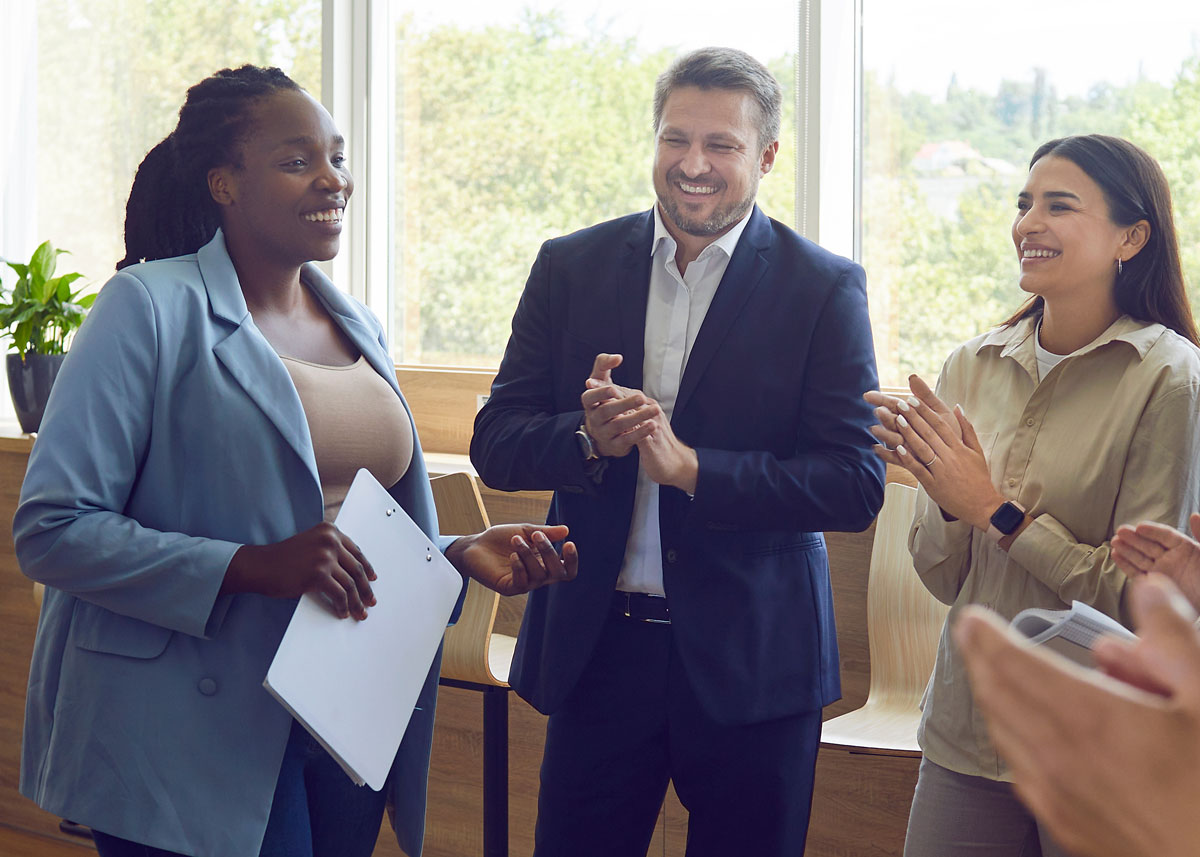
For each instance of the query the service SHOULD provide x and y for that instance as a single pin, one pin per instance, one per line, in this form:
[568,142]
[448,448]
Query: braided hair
[170,211]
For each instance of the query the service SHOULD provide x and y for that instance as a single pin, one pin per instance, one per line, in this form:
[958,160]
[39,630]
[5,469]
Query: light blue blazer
[173,436]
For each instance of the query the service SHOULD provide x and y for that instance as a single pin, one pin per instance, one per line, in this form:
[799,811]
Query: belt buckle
[627,612]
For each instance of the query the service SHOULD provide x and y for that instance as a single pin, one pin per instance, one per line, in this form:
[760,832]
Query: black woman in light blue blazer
[174,437]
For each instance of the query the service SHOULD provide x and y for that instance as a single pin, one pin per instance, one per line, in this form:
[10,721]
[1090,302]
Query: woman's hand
[515,558]
[321,560]
[939,447]
[1156,547]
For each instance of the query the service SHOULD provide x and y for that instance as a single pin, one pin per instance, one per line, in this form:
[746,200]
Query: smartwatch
[587,446]
[1006,519]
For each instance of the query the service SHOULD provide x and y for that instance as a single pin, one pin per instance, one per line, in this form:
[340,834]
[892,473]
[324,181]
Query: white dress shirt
[675,309]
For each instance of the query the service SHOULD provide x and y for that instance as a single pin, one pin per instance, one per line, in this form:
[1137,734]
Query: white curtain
[18,133]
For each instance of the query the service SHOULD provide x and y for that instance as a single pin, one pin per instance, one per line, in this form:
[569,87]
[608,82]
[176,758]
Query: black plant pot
[29,382]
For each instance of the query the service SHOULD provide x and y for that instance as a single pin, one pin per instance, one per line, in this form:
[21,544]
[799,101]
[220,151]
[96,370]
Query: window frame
[358,88]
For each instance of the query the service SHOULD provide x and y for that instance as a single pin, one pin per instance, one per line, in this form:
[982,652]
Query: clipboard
[353,685]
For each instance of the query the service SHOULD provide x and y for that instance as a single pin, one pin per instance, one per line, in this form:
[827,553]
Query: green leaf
[41,266]
[21,337]
[86,301]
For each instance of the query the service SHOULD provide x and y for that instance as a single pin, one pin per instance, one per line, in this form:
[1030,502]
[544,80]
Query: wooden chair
[904,624]
[475,658]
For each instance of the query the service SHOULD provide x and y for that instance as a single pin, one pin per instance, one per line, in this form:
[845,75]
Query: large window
[110,78]
[479,129]
[951,115]
[516,121]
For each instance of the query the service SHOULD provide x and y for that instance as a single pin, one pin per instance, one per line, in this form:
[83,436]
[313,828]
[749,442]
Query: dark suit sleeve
[524,440]
[834,481]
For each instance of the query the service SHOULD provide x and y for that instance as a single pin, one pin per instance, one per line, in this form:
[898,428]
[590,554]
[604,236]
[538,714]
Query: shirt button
[672,555]
[1011,482]
[207,686]
[1029,422]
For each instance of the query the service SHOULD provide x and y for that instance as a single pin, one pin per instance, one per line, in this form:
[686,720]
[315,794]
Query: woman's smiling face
[289,193]
[1065,238]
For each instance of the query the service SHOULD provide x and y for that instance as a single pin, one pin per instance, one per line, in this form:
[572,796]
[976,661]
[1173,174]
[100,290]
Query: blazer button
[672,555]
[207,686]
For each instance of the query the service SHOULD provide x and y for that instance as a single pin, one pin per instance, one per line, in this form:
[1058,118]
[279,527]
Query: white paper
[1072,633]
[354,684]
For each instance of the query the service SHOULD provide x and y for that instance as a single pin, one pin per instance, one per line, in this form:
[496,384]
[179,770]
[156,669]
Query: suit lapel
[745,271]
[633,291]
[249,358]
[346,313]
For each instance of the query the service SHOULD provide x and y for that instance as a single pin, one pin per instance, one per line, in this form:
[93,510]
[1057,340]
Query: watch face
[1007,518]
[585,445]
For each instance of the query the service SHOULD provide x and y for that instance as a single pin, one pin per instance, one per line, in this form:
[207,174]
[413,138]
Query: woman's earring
[1118,266]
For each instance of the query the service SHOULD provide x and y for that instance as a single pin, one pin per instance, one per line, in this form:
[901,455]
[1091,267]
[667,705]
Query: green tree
[112,75]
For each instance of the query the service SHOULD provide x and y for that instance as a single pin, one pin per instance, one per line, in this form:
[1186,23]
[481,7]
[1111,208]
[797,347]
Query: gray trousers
[954,814]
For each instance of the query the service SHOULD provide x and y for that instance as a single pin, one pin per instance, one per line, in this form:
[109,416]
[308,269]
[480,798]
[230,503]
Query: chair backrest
[904,621]
[467,644]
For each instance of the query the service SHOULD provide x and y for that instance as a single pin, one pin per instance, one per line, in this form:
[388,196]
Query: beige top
[1108,437]
[355,420]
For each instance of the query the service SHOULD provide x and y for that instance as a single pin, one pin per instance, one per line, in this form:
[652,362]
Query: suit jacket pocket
[98,630]
[785,543]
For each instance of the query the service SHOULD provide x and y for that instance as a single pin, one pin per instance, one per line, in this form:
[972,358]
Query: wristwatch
[586,445]
[1006,519]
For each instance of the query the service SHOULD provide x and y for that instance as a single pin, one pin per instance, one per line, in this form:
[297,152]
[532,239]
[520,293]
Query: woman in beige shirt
[1074,416]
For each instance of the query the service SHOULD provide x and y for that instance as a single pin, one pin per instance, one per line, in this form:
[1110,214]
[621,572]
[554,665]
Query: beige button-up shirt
[1108,437]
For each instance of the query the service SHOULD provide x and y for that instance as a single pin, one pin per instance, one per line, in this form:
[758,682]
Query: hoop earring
[1119,268]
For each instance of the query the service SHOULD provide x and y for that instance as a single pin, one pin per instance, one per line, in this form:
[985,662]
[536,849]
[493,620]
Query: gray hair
[725,68]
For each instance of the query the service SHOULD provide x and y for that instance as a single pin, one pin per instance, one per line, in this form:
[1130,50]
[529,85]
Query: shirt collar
[1140,334]
[727,243]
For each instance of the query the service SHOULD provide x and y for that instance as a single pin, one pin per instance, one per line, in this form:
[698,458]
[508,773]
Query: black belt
[642,607]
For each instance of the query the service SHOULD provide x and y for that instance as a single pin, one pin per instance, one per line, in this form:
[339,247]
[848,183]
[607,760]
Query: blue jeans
[317,811]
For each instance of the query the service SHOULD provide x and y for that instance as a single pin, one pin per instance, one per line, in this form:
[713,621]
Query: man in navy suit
[689,381]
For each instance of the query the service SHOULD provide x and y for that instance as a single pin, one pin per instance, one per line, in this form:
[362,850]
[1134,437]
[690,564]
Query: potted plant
[40,314]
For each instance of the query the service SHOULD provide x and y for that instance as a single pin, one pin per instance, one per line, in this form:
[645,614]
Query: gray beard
[720,220]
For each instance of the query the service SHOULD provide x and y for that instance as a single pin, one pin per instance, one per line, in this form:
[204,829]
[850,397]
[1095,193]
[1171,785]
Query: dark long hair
[1150,286]
[170,211]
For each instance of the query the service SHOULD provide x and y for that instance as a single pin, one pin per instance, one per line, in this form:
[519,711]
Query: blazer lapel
[633,291]
[348,316]
[746,269]
[249,358]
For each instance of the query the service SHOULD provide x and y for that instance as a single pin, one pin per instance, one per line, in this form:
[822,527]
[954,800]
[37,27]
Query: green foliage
[41,311]
[937,280]
[508,136]
[112,75]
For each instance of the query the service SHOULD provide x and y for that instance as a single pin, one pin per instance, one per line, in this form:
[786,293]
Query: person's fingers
[1163,536]
[935,429]
[885,436]
[1166,622]
[1131,561]
[336,588]
[969,437]
[1194,525]
[614,408]
[597,393]
[883,400]
[350,576]
[1133,541]
[359,556]
[919,437]
[603,365]
[925,393]
[1124,660]
[570,556]
[548,567]
[352,563]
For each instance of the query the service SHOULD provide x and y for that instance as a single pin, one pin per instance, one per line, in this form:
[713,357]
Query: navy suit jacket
[771,399]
